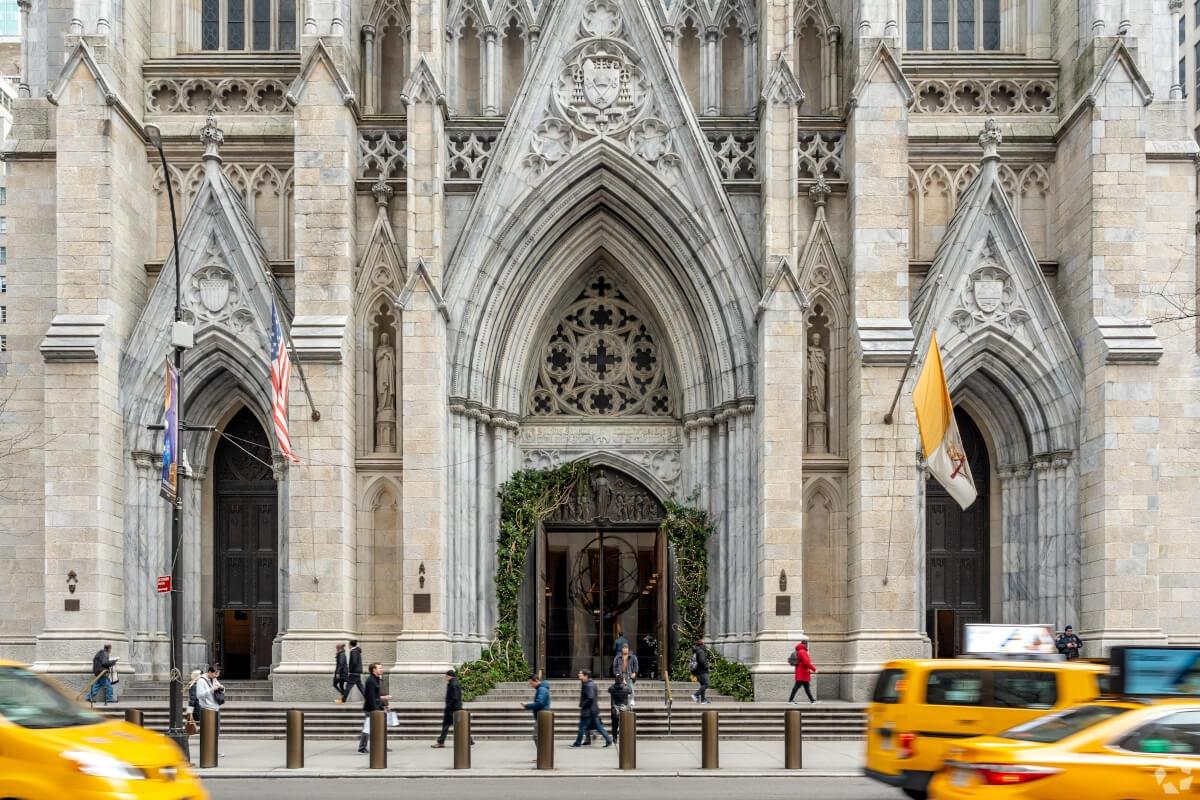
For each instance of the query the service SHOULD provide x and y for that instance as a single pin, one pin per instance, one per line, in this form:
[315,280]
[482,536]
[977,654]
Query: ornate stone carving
[821,154]
[212,295]
[611,497]
[225,96]
[976,96]
[548,435]
[553,140]
[601,360]
[385,374]
[736,154]
[818,383]
[468,154]
[988,296]
[381,153]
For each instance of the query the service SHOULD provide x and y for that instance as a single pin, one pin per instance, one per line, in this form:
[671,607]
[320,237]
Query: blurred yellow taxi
[921,707]
[50,747]
[1111,750]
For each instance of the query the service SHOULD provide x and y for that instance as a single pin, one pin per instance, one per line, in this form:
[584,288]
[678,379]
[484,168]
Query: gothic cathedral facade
[696,242]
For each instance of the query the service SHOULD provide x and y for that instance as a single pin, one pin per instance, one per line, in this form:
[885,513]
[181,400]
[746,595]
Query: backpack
[792,660]
[693,663]
[192,701]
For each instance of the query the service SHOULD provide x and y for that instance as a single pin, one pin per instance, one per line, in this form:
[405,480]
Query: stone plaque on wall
[421,604]
[783,605]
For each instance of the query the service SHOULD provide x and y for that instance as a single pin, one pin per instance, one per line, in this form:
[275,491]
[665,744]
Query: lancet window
[260,25]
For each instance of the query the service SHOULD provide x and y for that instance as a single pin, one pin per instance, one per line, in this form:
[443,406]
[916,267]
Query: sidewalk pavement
[324,758]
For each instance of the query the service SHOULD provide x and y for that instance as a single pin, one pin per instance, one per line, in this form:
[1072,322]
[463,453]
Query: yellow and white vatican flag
[939,432]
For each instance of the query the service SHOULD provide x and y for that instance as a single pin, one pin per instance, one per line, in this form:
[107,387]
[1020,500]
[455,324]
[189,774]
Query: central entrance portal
[602,574]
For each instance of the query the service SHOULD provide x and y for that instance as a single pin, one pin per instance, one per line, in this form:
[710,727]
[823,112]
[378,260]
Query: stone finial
[382,192]
[819,192]
[212,138]
[990,140]
[1175,6]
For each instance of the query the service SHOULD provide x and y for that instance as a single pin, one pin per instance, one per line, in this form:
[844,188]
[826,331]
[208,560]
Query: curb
[232,774]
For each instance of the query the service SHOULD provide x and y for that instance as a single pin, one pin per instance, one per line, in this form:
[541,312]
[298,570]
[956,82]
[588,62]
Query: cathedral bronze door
[956,551]
[601,568]
[246,554]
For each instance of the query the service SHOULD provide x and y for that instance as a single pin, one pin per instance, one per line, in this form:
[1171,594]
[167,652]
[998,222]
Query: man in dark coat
[1069,644]
[373,700]
[621,696]
[103,666]
[453,703]
[355,666]
[341,673]
[700,670]
[589,710]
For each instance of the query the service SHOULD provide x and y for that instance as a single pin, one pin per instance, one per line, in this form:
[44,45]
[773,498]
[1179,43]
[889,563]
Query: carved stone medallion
[601,89]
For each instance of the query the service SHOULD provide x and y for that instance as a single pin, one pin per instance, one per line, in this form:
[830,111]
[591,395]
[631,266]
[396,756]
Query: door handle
[968,722]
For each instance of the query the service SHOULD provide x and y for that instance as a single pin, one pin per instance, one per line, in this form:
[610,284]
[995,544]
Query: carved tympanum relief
[988,297]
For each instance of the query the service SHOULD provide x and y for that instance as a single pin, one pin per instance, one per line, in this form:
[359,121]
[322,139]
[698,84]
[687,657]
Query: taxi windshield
[28,701]
[1061,724]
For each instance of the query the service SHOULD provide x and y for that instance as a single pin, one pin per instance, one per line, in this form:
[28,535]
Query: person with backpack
[698,666]
[621,696]
[804,671]
[210,694]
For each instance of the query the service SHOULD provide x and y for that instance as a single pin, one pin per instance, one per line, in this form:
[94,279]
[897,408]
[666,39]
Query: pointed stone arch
[823,583]
[816,55]
[380,558]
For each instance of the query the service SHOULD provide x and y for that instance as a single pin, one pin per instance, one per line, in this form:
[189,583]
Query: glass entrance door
[599,585]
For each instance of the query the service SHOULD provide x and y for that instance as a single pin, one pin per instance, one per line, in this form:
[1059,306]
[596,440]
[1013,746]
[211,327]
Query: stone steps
[503,721]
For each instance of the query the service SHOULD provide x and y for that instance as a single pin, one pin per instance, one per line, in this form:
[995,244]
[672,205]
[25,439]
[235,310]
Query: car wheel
[916,794]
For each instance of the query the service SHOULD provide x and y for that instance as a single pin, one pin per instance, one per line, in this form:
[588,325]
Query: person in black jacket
[621,696]
[453,703]
[373,700]
[1069,644]
[341,674]
[103,666]
[589,710]
[700,670]
[355,676]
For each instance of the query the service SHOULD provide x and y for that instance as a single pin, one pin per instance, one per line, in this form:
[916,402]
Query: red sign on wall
[164,584]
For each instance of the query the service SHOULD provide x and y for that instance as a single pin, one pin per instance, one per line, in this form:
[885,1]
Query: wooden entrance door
[246,554]
[957,570]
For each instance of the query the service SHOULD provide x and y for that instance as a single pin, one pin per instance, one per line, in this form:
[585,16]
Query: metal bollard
[627,746]
[545,740]
[295,739]
[378,751]
[462,739]
[793,740]
[208,738]
[708,737]
[134,717]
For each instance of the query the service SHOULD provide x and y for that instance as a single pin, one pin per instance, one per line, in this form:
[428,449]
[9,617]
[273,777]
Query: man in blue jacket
[541,699]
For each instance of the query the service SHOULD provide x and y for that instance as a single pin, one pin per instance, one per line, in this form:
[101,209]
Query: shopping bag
[393,719]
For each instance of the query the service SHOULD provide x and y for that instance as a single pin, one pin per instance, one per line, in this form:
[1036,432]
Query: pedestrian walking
[210,695]
[1069,644]
[356,667]
[620,642]
[541,699]
[589,710]
[341,674]
[698,666]
[373,700]
[103,664]
[453,703]
[621,697]
[625,665]
[801,660]
[193,703]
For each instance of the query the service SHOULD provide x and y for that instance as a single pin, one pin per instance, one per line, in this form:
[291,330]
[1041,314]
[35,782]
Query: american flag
[281,370]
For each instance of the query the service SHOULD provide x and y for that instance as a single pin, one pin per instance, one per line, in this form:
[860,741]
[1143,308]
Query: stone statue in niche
[385,395]
[818,380]
[602,493]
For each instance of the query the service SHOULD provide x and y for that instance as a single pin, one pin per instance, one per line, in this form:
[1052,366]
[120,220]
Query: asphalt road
[552,788]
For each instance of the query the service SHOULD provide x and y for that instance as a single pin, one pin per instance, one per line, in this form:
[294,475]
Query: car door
[1161,757]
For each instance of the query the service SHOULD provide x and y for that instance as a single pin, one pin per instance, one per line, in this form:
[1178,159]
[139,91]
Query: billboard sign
[1156,671]
[1008,640]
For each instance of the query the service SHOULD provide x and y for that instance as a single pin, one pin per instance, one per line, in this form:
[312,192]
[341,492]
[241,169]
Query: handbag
[190,727]
[219,695]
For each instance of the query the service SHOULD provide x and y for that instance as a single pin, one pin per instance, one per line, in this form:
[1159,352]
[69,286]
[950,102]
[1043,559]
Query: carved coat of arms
[214,291]
[601,81]
[989,292]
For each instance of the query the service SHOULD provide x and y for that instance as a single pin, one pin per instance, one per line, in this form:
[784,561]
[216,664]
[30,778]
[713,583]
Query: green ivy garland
[527,498]
[531,496]
[688,530]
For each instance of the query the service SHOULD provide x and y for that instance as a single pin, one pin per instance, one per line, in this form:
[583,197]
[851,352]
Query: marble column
[491,80]
[23,86]
[710,78]
[370,79]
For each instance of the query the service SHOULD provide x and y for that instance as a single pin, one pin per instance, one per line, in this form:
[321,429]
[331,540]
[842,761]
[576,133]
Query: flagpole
[918,334]
[287,337]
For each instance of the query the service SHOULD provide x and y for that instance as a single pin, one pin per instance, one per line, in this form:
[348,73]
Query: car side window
[1024,689]
[954,687]
[887,688]
[1176,734]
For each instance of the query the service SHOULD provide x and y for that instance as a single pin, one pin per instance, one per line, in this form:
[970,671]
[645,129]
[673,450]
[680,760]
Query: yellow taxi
[921,707]
[51,747]
[1111,750]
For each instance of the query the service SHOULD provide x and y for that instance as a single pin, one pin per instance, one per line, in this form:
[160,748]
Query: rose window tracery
[601,360]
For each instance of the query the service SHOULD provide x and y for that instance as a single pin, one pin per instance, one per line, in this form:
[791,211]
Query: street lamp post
[175,728]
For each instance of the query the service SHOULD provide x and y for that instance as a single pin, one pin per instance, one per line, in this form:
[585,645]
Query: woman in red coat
[804,672]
